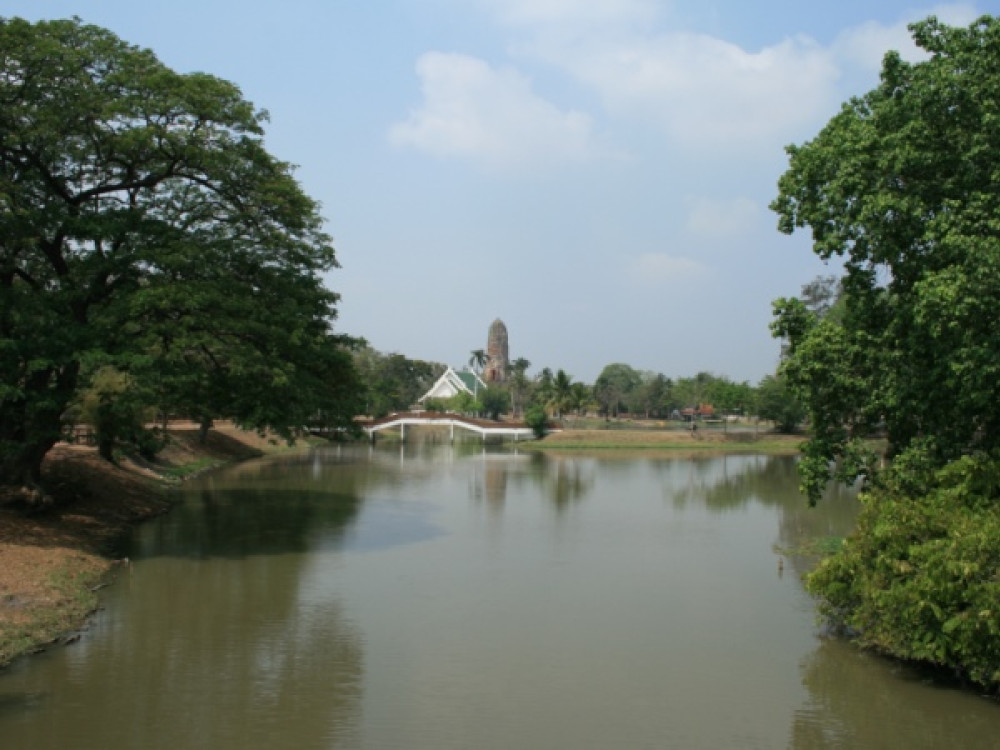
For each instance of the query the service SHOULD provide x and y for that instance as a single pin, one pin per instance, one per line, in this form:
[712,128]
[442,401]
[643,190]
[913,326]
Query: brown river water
[447,597]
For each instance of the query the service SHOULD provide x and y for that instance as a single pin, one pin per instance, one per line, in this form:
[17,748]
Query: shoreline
[54,560]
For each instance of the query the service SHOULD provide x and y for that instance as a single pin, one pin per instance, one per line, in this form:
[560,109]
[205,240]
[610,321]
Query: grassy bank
[54,559]
[666,440]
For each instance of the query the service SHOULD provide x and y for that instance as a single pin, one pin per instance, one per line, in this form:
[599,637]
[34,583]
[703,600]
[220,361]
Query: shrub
[537,420]
[919,579]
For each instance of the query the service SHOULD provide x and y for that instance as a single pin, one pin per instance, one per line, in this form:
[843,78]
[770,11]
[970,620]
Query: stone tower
[497,353]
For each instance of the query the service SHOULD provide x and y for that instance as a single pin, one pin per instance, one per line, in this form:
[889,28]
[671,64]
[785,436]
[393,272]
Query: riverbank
[53,560]
[668,440]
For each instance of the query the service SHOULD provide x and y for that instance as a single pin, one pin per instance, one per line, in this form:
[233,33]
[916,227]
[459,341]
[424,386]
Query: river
[440,597]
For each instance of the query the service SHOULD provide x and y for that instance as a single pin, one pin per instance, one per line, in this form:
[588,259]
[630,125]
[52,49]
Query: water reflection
[207,657]
[897,708]
[370,598]
[562,480]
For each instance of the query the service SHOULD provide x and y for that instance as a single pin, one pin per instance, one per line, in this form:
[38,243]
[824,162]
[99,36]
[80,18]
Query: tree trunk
[32,424]
[204,425]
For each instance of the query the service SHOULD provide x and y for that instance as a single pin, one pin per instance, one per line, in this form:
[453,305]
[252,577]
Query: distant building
[497,353]
[451,383]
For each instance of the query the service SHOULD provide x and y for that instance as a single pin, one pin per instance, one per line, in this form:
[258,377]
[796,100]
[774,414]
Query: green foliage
[143,223]
[118,411]
[536,418]
[920,577]
[393,382]
[464,403]
[615,388]
[776,402]
[436,404]
[653,396]
[494,401]
[901,184]
[518,383]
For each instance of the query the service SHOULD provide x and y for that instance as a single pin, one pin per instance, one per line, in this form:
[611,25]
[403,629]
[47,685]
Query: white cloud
[704,91]
[660,269]
[491,116]
[716,219]
[866,45]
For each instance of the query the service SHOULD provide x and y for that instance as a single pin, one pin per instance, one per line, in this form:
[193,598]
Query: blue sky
[596,173]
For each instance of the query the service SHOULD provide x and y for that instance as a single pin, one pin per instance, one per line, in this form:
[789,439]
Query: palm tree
[477,362]
[580,394]
[562,392]
[543,388]
[518,382]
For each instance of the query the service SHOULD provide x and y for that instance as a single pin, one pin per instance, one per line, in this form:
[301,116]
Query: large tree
[903,185]
[143,224]
[616,387]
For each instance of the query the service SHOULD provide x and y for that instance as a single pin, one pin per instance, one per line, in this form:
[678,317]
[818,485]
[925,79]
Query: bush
[436,404]
[537,420]
[919,579]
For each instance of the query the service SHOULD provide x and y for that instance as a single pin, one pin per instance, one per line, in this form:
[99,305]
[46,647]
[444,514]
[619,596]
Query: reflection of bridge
[484,427]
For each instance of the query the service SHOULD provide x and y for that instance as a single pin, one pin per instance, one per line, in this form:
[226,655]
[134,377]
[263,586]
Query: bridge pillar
[453,431]
[402,432]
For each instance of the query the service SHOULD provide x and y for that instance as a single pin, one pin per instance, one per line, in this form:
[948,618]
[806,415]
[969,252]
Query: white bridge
[484,427]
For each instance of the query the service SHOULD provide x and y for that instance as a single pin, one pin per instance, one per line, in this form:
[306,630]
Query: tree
[580,397]
[901,185]
[776,402]
[495,401]
[477,360]
[615,388]
[542,392]
[118,412]
[821,294]
[518,383]
[536,418]
[561,393]
[393,382]
[143,225]
[653,394]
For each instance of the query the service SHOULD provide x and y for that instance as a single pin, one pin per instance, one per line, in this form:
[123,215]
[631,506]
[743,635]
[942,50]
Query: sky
[595,173]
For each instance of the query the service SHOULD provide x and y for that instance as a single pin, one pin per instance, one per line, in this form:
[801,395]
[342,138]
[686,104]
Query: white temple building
[451,383]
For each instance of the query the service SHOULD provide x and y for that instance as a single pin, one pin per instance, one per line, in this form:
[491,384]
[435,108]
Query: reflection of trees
[284,503]
[857,700]
[725,484]
[243,522]
[221,645]
[259,508]
[223,642]
[564,480]
[213,654]
[495,482]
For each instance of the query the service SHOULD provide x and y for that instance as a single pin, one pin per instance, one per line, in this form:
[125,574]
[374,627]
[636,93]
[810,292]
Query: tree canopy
[144,225]
[902,185]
